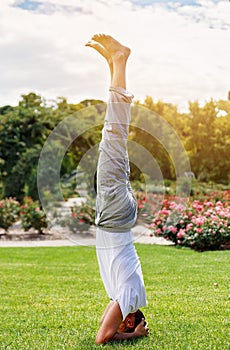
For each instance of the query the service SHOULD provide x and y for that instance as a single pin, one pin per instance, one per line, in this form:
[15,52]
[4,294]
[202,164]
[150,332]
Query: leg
[115,195]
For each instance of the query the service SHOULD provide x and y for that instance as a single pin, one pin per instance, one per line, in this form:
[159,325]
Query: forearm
[142,330]
[125,336]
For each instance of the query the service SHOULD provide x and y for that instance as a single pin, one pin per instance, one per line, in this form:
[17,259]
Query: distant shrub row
[29,213]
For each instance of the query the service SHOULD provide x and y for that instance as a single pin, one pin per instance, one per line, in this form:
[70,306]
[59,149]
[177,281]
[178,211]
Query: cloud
[179,53]
[47,7]
[27,5]
[160,2]
[210,13]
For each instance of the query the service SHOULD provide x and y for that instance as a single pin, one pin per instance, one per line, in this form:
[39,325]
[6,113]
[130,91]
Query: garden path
[141,235]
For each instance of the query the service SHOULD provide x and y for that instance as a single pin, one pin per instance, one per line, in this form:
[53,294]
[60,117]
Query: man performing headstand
[116,208]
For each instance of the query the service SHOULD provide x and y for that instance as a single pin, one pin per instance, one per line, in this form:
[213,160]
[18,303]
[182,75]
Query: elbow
[103,338]
[100,340]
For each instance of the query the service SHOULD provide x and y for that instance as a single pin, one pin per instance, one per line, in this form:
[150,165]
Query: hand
[142,330]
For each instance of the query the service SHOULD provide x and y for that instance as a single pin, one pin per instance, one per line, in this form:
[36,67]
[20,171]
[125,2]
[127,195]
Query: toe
[95,36]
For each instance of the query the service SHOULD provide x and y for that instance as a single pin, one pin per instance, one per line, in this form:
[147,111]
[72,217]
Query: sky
[180,49]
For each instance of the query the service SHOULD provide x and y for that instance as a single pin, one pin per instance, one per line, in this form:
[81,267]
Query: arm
[110,324]
[140,331]
[108,307]
[109,328]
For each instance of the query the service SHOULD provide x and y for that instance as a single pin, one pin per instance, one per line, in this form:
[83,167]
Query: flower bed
[30,214]
[9,212]
[202,225]
[82,216]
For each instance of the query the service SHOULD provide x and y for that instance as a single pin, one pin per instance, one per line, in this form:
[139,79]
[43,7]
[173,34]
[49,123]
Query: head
[131,321]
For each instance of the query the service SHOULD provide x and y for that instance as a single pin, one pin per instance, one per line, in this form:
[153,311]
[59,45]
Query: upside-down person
[116,208]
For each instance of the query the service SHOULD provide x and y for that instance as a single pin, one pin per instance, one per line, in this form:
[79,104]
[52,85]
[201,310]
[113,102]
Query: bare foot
[98,47]
[112,46]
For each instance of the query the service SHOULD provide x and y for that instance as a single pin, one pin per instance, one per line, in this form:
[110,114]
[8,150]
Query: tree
[23,130]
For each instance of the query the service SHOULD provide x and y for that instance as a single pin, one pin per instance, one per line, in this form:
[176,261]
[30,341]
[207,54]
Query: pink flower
[158,231]
[199,221]
[188,227]
[172,205]
[197,206]
[199,230]
[173,229]
[165,211]
[209,204]
[180,234]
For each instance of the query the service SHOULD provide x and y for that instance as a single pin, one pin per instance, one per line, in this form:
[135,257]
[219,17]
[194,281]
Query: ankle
[119,57]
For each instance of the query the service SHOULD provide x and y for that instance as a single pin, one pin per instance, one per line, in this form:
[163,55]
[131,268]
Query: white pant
[116,207]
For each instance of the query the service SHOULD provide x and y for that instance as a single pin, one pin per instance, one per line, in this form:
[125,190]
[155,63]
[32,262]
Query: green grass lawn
[52,298]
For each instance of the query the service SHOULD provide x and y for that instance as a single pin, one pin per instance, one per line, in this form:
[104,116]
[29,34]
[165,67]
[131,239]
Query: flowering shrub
[202,225]
[9,211]
[148,205]
[32,216]
[81,216]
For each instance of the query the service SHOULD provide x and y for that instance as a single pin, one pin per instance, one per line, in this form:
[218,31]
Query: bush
[82,216]
[9,211]
[32,216]
[203,225]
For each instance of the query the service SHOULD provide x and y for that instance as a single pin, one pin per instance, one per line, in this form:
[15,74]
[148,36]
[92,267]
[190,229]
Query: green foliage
[53,298]
[204,131]
[81,217]
[153,140]
[32,216]
[9,211]
[29,213]
[23,130]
